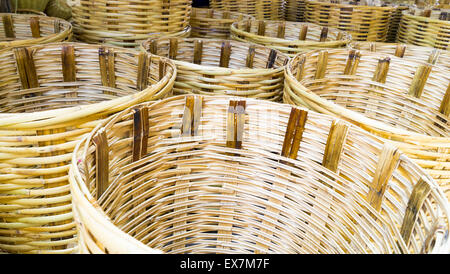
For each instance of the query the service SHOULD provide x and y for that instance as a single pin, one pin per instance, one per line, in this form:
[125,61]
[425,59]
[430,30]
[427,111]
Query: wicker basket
[261,10]
[213,66]
[428,28]
[51,95]
[410,52]
[363,23]
[290,38]
[295,10]
[128,23]
[209,23]
[216,174]
[402,100]
[24,30]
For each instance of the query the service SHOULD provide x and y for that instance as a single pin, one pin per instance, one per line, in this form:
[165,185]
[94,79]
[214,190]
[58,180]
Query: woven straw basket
[410,52]
[290,38]
[363,23]
[128,23]
[24,30]
[428,28]
[213,66]
[217,174]
[261,10]
[295,10]
[51,95]
[209,23]
[402,100]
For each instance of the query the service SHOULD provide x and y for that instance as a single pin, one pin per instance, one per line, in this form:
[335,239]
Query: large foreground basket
[219,174]
[27,29]
[210,23]
[290,38]
[410,52]
[363,23]
[213,66]
[51,95]
[128,23]
[262,10]
[405,101]
[428,28]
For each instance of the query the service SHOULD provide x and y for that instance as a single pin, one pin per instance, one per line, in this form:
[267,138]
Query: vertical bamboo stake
[198,52]
[419,80]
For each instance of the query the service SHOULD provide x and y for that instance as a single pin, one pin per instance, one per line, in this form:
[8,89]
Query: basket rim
[80,191]
[18,42]
[60,115]
[361,120]
[408,15]
[346,38]
[216,68]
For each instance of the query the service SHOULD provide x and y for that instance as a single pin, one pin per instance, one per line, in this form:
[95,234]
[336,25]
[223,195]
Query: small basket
[18,30]
[295,10]
[52,95]
[410,52]
[428,28]
[209,23]
[128,23]
[213,66]
[363,23]
[261,10]
[290,38]
[403,100]
[219,174]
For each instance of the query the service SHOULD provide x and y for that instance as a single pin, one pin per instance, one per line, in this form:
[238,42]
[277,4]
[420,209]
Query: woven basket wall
[128,23]
[410,52]
[210,23]
[25,30]
[214,174]
[395,23]
[431,30]
[399,99]
[363,23]
[51,95]
[295,10]
[261,10]
[290,38]
[214,67]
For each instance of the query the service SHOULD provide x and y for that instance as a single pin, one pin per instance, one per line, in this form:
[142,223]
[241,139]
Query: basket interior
[65,75]
[291,31]
[381,87]
[187,186]
[22,27]
[216,53]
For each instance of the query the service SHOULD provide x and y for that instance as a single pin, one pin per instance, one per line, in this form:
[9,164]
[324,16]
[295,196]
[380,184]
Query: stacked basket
[261,10]
[363,23]
[403,100]
[52,95]
[214,66]
[128,23]
[209,23]
[24,30]
[428,28]
[214,174]
[290,38]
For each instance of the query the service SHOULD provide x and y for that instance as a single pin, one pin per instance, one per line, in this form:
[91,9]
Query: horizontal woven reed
[410,52]
[400,99]
[128,23]
[50,96]
[363,23]
[216,174]
[295,10]
[290,38]
[28,29]
[214,66]
[395,22]
[210,23]
[428,28]
[261,10]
